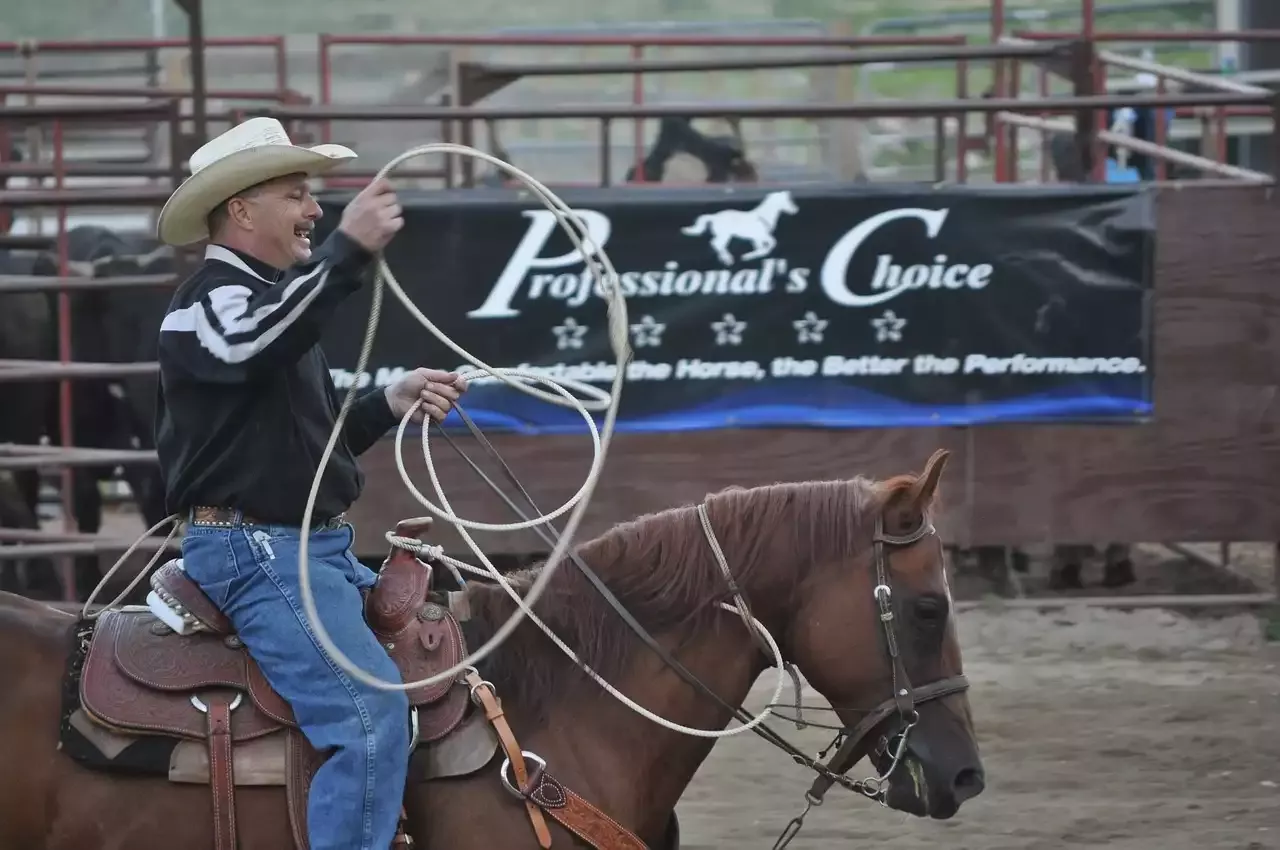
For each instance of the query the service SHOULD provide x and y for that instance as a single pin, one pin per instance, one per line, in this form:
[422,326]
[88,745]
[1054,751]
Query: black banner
[812,306]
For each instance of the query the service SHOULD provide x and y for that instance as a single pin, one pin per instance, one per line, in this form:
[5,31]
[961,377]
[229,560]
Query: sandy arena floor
[1133,731]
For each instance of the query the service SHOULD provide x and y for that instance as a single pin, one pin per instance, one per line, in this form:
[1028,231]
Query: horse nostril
[968,784]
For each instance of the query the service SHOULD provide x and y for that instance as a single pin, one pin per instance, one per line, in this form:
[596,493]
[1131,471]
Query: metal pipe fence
[1004,107]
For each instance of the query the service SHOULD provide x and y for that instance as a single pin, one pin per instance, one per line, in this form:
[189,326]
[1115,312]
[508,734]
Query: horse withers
[847,575]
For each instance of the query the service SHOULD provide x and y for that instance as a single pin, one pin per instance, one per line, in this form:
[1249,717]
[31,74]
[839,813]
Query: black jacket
[246,403]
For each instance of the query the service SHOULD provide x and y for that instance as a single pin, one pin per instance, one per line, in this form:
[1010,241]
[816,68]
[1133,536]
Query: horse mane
[661,568]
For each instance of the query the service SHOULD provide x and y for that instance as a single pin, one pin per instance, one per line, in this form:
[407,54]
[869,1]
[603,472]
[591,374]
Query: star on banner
[569,335]
[648,332]
[889,327]
[810,328]
[728,330]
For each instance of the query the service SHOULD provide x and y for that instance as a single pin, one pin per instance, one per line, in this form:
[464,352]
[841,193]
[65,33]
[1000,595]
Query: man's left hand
[436,389]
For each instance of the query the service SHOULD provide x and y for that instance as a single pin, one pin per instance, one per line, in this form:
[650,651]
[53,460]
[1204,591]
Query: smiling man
[246,406]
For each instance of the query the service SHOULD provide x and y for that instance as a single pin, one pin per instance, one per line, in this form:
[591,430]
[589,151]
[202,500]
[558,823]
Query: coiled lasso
[608,285]
[519,379]
[609,288]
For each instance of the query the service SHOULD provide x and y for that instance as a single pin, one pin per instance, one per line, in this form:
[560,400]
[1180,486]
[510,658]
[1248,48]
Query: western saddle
[176,670]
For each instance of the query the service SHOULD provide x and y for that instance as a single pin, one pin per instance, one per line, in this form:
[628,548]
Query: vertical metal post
[35,133]
[326,89]
[199,85]
[69,523]
[940,148]
[446,135]
[282,66]
[1046,150]
[177,155]
[637,99]
[1161,129]
[999,128]
[606,152]
[962,134]
[1015,90]
[1098,75]
[1082,85]
[1221,152]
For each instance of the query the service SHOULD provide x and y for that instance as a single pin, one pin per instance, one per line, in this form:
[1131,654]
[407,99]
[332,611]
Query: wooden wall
[1207,468]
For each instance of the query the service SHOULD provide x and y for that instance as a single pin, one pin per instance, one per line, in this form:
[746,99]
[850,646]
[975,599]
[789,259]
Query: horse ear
[926,486]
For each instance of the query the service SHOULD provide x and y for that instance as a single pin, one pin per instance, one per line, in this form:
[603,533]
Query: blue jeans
[251,573]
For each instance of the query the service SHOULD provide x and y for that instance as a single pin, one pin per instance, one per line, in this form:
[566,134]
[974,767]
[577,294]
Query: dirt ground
[1128,730]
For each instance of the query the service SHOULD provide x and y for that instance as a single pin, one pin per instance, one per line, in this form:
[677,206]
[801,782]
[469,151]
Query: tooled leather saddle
[179,671]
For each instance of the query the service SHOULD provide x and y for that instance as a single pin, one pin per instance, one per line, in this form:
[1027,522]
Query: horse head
[880,629]
[846,576]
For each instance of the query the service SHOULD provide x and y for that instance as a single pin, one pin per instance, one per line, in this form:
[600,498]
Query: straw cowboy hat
[247,154]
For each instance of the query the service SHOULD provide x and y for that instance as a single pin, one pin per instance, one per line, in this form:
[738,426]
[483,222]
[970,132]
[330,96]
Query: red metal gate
[1078,59]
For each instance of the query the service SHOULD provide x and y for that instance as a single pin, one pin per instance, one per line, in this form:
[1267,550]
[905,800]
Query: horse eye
[931,610]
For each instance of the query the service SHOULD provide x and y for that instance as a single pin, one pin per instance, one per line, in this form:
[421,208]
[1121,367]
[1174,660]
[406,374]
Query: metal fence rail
[1003,108]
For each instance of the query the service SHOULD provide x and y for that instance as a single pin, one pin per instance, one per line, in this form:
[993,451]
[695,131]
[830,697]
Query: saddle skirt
[142,676]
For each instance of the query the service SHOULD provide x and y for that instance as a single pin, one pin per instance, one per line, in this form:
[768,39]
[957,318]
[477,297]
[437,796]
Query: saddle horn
[415,528]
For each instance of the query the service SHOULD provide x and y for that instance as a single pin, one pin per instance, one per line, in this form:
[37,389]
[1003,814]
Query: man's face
[280,216]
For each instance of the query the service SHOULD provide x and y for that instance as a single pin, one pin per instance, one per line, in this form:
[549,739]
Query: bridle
[853,742]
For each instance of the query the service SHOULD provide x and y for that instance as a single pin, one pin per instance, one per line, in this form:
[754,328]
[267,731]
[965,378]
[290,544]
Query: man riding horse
[245,407]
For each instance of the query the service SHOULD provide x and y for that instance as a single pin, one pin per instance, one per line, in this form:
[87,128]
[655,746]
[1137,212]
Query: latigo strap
[542,793]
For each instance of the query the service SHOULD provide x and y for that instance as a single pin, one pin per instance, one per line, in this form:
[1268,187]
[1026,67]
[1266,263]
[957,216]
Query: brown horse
[847,575]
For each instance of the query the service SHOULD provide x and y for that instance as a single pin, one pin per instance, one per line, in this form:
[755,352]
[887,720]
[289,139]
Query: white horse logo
[754,225]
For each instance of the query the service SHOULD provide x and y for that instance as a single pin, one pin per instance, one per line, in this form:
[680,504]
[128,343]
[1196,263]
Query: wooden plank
[1217,310]
[1200,473]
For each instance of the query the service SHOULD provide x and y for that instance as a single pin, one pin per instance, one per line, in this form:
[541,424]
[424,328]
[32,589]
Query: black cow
[24,321]
[109,326]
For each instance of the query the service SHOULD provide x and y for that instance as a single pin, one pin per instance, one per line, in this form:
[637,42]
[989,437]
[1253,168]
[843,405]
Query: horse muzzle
[924,787]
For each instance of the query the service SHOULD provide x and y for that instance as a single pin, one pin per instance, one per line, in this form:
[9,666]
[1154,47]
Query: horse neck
[638,770]
[635,768]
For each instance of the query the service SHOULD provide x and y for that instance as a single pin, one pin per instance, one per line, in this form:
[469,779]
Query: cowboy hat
[246,155]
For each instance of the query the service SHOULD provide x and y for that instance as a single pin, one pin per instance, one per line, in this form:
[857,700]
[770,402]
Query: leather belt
[230,518]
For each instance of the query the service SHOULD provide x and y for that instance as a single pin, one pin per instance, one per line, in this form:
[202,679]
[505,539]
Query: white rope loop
[608,285]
